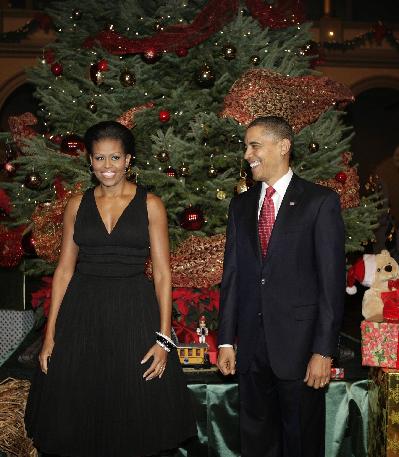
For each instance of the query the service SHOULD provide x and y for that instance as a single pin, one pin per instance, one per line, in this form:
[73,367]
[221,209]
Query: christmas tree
[186,76]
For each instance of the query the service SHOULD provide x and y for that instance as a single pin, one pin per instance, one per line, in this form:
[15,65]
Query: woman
[110,383]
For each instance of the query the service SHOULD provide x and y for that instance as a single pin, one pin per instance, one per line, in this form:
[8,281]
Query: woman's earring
[91,168]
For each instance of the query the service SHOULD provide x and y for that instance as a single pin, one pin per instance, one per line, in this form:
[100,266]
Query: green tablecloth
[217,416]
[217,420]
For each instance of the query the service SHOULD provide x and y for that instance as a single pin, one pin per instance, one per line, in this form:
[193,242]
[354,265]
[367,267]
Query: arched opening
[375,117]
[18,102]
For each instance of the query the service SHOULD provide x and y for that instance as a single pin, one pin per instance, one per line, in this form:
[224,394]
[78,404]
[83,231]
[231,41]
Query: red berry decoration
[171,172]
[57,69]
[192,219]
[341,177]
[56,139]
[72,144]
[49,56]
[164,116]
[181,52]
[102,65]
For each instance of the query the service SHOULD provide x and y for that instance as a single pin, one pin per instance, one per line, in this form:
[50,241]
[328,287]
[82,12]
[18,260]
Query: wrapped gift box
[380,344]
[14,326]
[337,373]
[383,398]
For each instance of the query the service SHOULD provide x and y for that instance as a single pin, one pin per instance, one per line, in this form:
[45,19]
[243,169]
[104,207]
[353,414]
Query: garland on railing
[377,35]
[40,21]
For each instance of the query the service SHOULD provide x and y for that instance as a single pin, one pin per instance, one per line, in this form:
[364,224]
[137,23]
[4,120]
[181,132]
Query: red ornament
[102,65]
[56,139]
[192,219]
[72,144]
[49,56]
[341,177]
[57,69]
[164,116]
[171,172]
[28,244]
[5,202]
[151,55]
[181,52]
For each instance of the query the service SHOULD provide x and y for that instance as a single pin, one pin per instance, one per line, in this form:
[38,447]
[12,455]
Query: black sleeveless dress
[94,401]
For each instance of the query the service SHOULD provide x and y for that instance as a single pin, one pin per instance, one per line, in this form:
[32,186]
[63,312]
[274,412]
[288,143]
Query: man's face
[267,156]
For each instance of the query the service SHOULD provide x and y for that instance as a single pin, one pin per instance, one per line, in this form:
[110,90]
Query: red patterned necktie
[266,220]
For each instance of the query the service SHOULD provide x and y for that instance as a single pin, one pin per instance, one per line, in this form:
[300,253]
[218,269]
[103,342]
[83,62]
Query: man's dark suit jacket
[298,287]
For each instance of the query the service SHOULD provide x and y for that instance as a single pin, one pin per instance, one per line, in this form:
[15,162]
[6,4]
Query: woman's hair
[109,130]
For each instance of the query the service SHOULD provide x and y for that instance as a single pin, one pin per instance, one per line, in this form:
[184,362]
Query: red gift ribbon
[391,305]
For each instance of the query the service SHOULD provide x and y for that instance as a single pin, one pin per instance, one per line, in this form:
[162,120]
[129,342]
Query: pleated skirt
[94,402]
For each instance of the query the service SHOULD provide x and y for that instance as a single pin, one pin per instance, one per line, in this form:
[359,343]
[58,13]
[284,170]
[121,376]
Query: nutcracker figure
[202,330]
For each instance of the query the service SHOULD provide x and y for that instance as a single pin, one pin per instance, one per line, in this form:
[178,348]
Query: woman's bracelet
[163,346]
[164,341]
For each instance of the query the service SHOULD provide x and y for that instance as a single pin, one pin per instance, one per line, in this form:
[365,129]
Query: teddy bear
[381,300]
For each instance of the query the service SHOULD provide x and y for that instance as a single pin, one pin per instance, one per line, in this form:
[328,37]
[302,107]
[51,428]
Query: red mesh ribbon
[128,117]
[21,127]
[299,99]
[349,190]
[215,15]
[279,16]
[212,18]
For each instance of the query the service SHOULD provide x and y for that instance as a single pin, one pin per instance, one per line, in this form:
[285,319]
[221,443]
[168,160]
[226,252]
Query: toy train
[193,355]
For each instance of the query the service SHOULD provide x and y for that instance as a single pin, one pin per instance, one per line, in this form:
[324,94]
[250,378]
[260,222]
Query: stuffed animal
[383,290]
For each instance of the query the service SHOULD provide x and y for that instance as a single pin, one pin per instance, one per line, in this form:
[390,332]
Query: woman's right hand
[45,354]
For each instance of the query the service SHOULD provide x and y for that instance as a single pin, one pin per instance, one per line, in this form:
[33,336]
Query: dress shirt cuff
[225,346]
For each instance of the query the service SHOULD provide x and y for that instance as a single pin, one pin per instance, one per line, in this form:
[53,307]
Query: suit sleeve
[329,241]
[228,310]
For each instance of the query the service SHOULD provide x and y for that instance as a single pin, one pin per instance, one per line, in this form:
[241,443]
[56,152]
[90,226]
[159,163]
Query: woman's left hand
[158,365]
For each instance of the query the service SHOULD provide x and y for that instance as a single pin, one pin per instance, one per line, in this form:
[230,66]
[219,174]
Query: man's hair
[277,126]
[109,130]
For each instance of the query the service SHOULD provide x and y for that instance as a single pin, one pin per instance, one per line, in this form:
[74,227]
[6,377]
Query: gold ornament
[205,76]
[229,52]
[212,172]
[221,194]
[127,78]
[184,170]
[163,156]
[254,60]
[241,186]
[92,106]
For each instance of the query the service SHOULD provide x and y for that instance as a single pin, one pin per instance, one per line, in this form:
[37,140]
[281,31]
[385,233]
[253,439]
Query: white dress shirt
[280,187]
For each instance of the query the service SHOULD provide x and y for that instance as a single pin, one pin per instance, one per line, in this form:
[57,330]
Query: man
[282,298]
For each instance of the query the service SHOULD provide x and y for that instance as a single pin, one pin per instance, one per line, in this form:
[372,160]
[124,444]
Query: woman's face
[109,161]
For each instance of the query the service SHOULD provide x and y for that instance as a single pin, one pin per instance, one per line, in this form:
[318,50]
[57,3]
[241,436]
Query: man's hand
[318,371]
[227,360]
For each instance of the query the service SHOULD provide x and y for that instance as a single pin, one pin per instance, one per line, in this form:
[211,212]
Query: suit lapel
[287,212]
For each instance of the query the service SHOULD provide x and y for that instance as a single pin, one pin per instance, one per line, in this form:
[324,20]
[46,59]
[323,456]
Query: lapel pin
[292,203]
